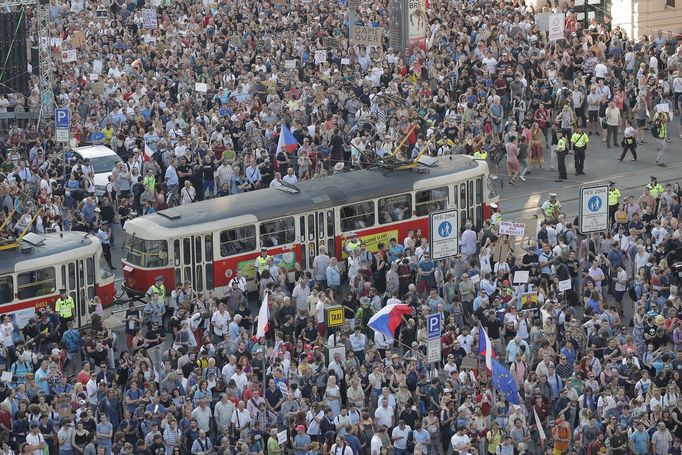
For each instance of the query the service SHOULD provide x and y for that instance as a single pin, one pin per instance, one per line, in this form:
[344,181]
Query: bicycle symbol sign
[594,204]
[445,229]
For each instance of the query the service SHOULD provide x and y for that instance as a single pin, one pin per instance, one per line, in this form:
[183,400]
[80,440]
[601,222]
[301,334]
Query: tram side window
[357,216]
[428,201]
[36,283]
[277,232]
[6,289]
[238,240]
[146,253]
[395,208]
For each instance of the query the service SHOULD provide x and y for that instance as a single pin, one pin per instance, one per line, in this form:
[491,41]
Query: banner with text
[368,36]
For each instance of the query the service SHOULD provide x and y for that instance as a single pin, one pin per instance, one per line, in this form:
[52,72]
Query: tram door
[78,278]
[194,261]
[317,230]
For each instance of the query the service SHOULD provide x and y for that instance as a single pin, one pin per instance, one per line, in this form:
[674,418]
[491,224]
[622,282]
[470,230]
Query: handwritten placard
[330,41]
[368,36]
[201,87]
[290,64]
[149,18]
[320,57]
[345,61]
[469,361]
[511,228]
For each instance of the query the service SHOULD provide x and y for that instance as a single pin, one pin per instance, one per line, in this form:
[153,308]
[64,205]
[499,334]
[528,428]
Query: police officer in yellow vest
[579,142]
[261,262]
[496,216]
[481,154]
[65,307]
[551,208]
[655,190]
[352,244]
[613,199]
[160,290]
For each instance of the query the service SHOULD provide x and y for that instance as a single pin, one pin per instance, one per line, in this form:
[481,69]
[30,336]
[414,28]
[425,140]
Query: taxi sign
[335,317]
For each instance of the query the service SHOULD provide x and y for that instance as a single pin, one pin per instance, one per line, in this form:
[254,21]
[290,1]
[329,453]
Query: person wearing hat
[614,199]
[65,308]
[301,441]
[552,207]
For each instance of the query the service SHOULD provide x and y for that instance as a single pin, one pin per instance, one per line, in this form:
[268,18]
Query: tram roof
[38,246]
[331,191]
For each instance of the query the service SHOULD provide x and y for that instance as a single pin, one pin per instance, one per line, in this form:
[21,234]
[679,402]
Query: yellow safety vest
[481,155]
[262,263]
[65,307]
[580,140]
[351,245]
[614,196]
[549,211]
[496,218]
[160,291]
[655,190]
[561,145]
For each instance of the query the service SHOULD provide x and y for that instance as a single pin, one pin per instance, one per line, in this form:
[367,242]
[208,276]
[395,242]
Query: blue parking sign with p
[61,118]
[433,322]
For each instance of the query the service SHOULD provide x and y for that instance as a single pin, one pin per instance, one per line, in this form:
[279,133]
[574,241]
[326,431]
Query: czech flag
[485,347]
[148,152]
[387,319]
[287,141]
[263,317]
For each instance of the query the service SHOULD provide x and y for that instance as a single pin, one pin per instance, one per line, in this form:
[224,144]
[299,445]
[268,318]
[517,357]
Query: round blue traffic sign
[594,204]
[445,229]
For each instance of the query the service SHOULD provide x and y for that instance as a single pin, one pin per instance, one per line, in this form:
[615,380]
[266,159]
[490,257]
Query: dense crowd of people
[597,366]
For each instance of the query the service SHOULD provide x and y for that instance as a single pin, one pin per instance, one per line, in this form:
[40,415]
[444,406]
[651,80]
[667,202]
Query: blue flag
[504,382]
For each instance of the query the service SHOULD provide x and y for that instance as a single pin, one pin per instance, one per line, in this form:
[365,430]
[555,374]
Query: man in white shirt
[465,339]
[460,441]
[376,444]
[399,437]
[384,414]
[241,419]
[219,322]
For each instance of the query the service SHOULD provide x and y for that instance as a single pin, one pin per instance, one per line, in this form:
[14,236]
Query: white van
[103,160]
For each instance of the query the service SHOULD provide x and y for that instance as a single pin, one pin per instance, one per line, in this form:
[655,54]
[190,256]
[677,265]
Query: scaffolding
[42,39]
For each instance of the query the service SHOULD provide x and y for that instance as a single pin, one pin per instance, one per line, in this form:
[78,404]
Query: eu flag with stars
[504,382]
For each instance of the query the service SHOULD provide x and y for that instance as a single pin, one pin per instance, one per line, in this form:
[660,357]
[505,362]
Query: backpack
[656,129]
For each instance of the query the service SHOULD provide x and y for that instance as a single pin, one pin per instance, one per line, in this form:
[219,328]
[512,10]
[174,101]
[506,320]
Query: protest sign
[368,36]
[149,19]
[69,56]
[201,87]
[78,39]
[521,276]
[290,64]
[556,26]
[329,41]
[320,57]
[511,228]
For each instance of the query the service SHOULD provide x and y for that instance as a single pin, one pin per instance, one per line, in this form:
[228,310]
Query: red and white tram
[207,242]
[32,274]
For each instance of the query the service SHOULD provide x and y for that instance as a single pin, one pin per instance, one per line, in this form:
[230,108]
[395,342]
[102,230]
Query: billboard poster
[416,24]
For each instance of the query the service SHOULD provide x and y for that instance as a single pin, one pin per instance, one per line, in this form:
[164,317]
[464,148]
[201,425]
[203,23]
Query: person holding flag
[502,379]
